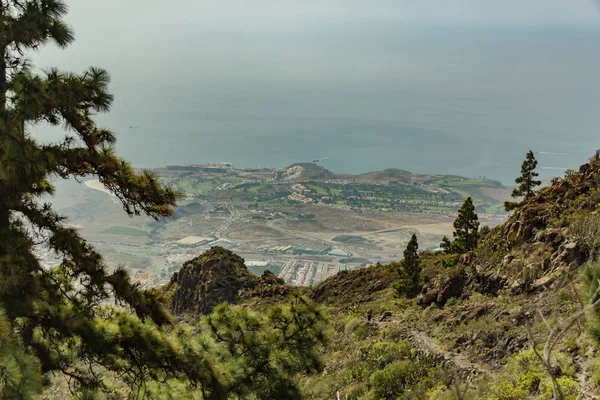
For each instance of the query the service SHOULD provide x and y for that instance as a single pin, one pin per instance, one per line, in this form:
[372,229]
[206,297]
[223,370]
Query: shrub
[391,382]
[379,354]
[569,387]
[508,391]
[364,330]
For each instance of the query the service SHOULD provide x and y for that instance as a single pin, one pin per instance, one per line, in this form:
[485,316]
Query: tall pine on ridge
[466,228]
[526,182]
[409,270]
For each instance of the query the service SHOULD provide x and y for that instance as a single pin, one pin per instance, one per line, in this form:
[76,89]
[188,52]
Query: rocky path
[467,368]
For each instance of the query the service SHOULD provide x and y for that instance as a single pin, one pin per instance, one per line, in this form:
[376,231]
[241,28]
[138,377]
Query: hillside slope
[471,330]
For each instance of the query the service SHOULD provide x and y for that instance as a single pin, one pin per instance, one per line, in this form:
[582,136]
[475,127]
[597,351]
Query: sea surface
[429,100]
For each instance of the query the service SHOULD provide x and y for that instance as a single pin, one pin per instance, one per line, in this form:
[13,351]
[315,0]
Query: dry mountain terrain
[471,331]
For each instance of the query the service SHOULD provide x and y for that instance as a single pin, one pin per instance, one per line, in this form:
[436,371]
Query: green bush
[391,382]
[569,387]
[364,330]
[508,391]
[525,377]
[378,355]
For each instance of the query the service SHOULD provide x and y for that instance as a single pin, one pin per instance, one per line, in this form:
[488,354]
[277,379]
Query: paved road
[233,215]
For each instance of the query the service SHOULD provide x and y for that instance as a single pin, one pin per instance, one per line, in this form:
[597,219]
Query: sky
[266,13]
[128,37]
[283,73]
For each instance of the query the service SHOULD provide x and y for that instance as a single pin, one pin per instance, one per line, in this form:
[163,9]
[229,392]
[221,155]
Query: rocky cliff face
[219,276]
[547,239]
[577,193]
[212,278]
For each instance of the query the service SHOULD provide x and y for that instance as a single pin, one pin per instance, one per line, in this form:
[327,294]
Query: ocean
[446,100]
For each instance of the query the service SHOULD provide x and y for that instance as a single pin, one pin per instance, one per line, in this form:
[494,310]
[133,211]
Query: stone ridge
[216,276]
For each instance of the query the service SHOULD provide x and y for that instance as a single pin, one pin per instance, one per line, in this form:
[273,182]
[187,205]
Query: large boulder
[440,290]
[570,253]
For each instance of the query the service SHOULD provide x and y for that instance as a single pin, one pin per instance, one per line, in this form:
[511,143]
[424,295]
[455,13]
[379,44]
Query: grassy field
[256,189]
[204,187]
[318,189]
[456,181]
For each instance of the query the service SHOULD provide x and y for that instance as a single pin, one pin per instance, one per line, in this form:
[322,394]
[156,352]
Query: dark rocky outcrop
[268,285]
[547,237]
[442,289]
[219,276]
[214,277]
[575,193]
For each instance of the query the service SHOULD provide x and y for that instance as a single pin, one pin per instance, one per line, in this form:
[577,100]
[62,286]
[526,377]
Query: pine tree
[526,182]
[20,376]
[61,315]
[466,228]
[409,271]
[446,244]
[273,348]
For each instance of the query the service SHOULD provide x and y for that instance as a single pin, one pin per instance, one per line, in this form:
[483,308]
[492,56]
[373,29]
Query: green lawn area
[472,181]
[318,189]
[494,209]
[125,231]
[256,189]
[186,185]
[489,208]
[462,193]
[460,182]
[203,187]
[193,186]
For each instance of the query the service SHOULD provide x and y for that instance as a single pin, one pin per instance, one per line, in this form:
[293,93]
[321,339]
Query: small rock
[573,266]
[466,258]
[540,236]
[428,297]
[507,259]
[546,264]
[385,316]
[527,232]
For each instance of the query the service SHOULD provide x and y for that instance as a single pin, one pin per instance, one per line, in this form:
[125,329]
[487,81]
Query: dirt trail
[466,367]
[585,376]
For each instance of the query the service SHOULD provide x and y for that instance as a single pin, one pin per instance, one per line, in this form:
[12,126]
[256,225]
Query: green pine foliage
[57,313]
[526,182]
[20,376]
[256,355]
[409,271]
[466,230]
[446,244]
[263,353]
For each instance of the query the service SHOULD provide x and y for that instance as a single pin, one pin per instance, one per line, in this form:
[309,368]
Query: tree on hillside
[60,317]
[526,182]
[409,270]
[466,228]
[446,244]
